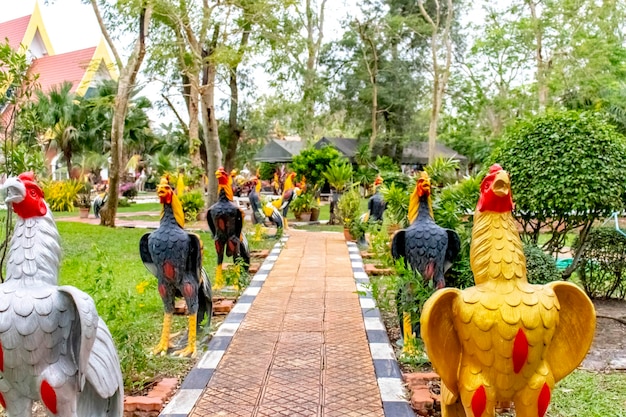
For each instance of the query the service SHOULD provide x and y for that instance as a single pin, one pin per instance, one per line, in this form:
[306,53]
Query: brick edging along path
[310,345]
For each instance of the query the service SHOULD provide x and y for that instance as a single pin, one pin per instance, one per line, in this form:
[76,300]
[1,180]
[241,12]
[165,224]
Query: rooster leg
[164,343]
[480,402]
[409,346]
[219,277]
[190,350]
[14,403]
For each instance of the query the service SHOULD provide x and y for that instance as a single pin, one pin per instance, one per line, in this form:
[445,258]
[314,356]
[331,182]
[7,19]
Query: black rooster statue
[376,204]
[425,246]
[226,223]
[174,256]
[54,347]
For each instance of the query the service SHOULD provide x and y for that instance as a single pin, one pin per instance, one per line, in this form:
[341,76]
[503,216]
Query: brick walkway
[300,342]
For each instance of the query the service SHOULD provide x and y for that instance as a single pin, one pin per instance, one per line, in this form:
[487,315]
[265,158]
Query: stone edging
[196,381]
[388,372]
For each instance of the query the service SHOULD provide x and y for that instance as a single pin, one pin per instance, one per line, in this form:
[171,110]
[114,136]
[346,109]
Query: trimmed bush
[540,267]
[603,263]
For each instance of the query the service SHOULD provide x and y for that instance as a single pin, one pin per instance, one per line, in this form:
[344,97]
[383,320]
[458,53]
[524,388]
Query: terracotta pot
[83,212]
[315,214]
[305,217]
[348,235]
[201,215]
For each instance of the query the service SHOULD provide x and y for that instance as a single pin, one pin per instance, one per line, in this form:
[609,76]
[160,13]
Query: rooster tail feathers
[205,300]
[103,393]
[398,248]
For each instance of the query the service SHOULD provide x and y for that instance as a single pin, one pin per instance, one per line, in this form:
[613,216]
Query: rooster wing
[441,339]
[574,333]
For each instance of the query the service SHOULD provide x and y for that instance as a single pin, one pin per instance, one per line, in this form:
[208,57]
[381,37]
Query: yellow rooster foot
[161,349]
[188,352]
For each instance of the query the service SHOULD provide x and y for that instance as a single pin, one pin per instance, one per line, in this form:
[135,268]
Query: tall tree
[440,22]
[126,84]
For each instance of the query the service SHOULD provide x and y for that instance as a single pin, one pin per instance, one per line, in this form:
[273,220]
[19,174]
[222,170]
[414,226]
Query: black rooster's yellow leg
[164,343]
[219,278]
[409,337]
[190,350]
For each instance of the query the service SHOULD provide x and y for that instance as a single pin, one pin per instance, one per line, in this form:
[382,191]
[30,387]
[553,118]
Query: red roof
[55,69]
[14,30]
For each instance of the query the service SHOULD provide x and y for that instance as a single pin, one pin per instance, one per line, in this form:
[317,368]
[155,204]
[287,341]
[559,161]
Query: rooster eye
[32,193]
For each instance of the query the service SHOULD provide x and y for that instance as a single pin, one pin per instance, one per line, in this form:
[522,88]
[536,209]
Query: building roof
[347,146]
[417,153]
[278,150]
[14,30]
[71,66]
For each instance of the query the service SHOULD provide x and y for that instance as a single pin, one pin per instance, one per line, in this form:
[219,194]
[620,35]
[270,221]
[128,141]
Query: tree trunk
[440,75]
[211,136]
[126,84]
[542,85]
[234,130]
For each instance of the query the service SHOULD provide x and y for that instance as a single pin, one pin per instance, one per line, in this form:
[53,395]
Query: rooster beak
[13,190]
[502,184]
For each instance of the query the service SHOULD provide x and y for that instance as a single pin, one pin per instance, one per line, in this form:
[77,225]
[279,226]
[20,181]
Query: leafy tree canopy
[567,170]
[312,163]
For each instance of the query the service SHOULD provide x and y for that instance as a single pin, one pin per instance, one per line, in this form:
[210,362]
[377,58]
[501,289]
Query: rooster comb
[29,178]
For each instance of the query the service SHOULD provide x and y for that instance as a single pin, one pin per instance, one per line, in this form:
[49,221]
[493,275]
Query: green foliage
[540,267]
[442,171]
[303,203]
[338,175]
[312,163]
[61,195]
[349,207]
[83,197]
[397,200]
[385,163]
[400,180]
[567,170]
[193,203]
[267,170]
[23,158]
[603,263]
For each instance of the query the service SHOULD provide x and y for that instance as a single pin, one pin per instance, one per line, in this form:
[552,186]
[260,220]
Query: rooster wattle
[504,339]
[53,345]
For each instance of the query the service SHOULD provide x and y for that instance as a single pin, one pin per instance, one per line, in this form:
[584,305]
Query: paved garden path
[301,341]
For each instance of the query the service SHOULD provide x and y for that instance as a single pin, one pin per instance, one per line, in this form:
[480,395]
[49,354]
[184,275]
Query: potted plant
[348,205]
[301,206]
[83,200]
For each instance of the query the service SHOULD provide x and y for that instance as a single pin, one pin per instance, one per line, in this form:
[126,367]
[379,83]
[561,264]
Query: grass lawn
[105,263]
[590,394]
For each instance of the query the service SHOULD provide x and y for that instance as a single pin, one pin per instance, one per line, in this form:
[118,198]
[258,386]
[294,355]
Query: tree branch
[105,33]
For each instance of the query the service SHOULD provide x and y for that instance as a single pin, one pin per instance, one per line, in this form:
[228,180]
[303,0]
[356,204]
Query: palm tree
[59,111]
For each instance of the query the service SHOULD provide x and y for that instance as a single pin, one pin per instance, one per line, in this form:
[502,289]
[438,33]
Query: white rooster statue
[53,345]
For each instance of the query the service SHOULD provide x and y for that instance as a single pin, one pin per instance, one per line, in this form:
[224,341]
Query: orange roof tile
[14,30]
[55,69]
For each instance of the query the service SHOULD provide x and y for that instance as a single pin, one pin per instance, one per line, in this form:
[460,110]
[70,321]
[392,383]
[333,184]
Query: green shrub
[193,203]
[61,195]
[397,200]
[266,170]
[603,263]
[312,163]
[567,171]
[540,267]
[338,175]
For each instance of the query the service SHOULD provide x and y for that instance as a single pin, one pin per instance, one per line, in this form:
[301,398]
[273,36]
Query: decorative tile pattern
[191,390]
[389,377]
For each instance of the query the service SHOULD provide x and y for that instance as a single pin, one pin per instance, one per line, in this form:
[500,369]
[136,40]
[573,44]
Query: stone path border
[194,383]
[388,372]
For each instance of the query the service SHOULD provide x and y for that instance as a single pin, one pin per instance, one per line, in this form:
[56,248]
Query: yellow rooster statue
[503,339]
